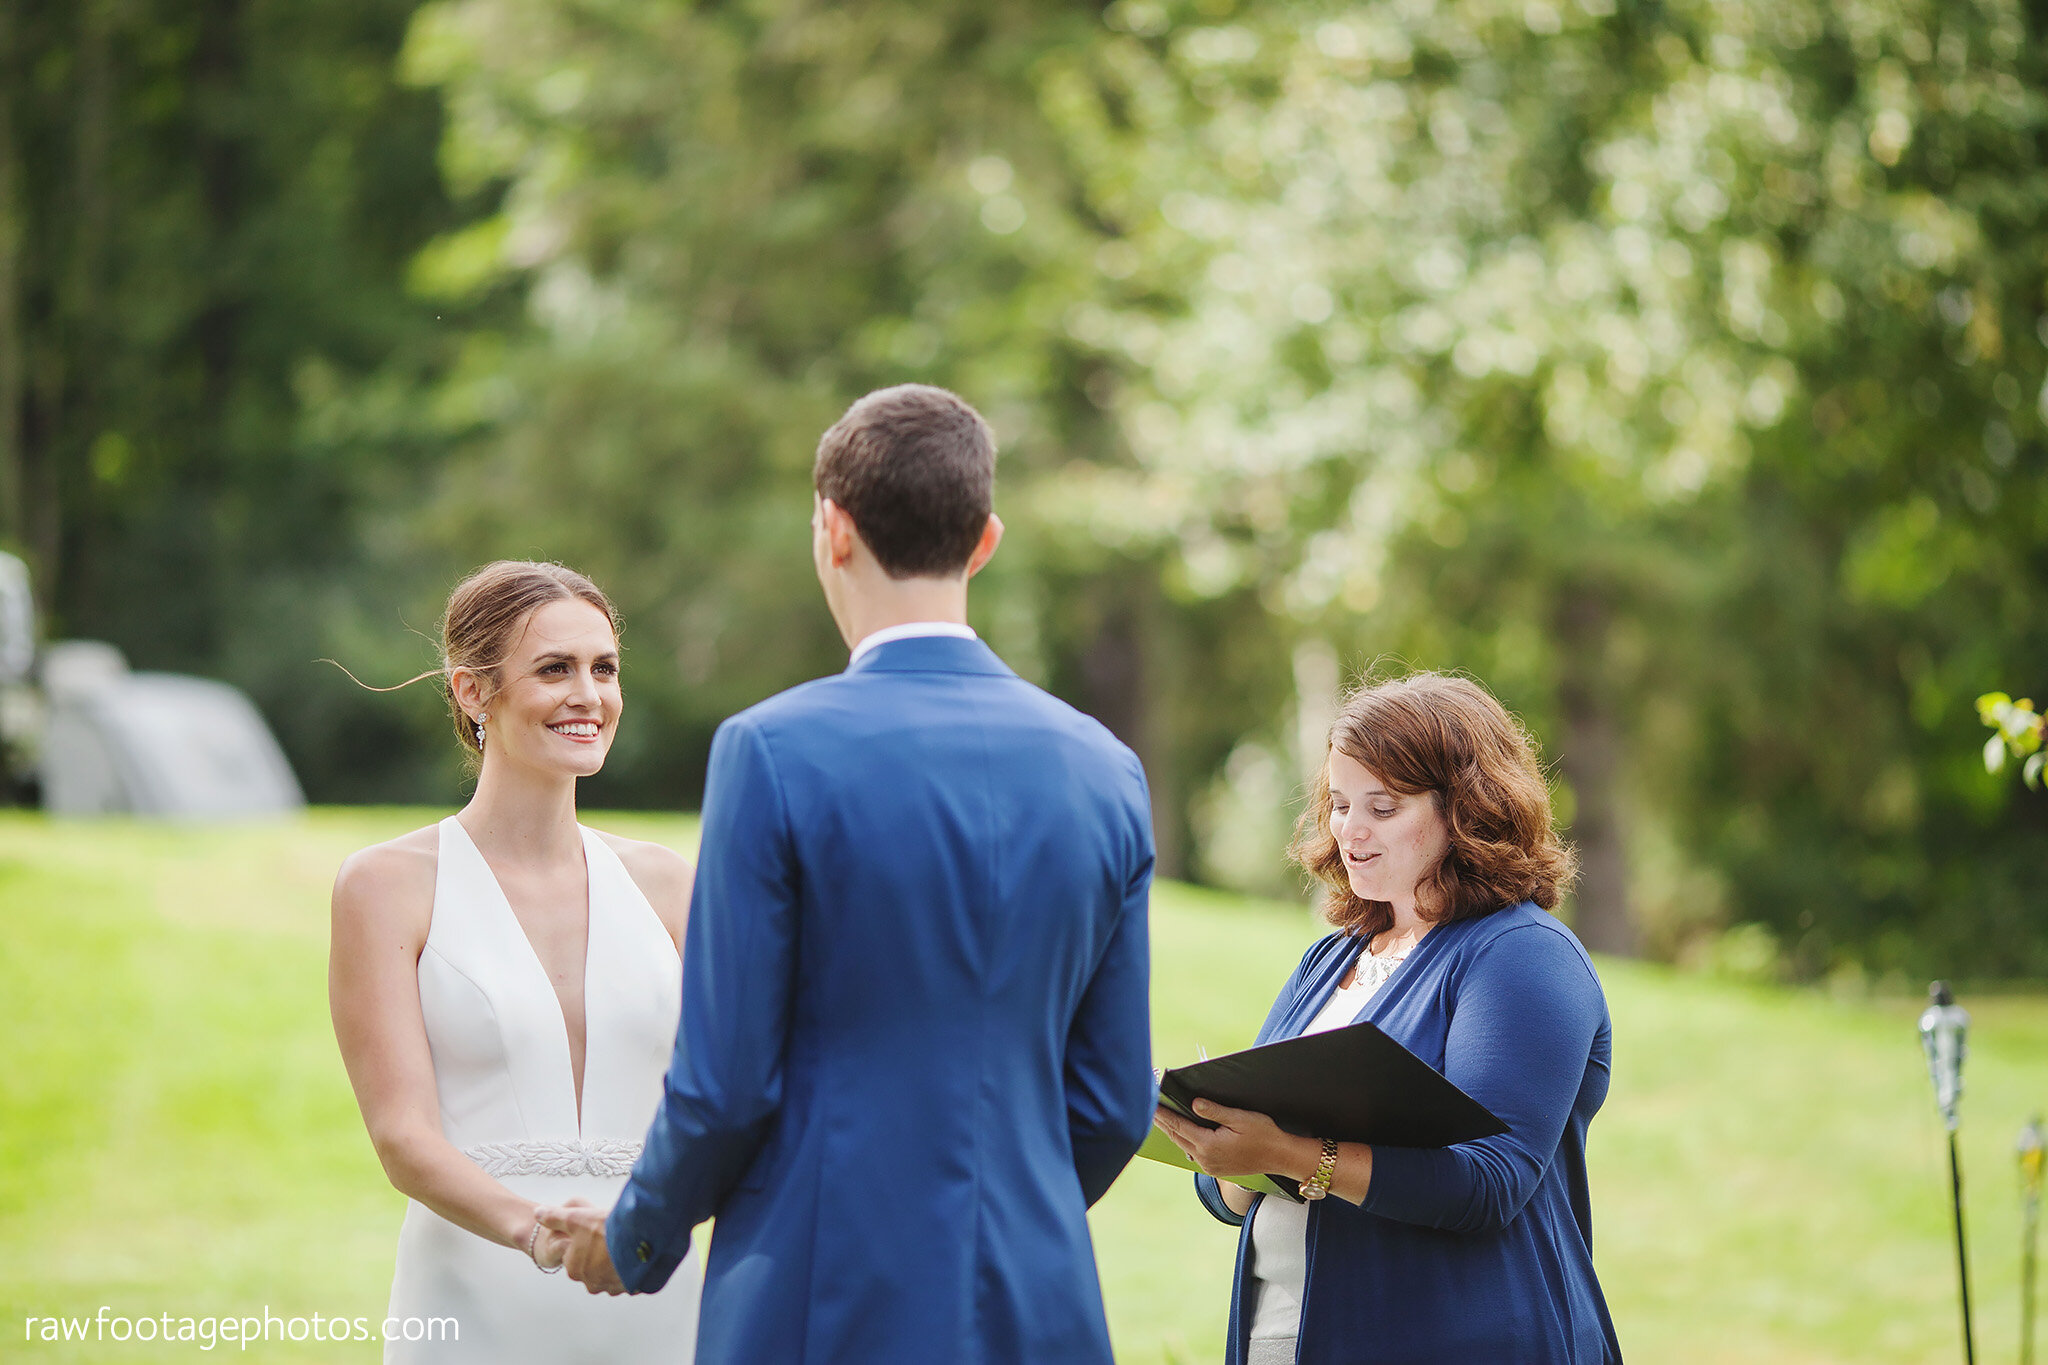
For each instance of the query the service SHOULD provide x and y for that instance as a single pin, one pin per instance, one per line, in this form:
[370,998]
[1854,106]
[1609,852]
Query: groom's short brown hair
[915,467]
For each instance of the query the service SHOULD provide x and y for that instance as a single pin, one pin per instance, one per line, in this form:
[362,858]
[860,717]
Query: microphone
[1944,1036]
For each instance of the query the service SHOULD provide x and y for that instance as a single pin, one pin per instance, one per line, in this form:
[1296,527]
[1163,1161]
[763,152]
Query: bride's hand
[549,1246]
[588,1260]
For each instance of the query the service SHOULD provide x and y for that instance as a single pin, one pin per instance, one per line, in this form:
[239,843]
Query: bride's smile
[559,702]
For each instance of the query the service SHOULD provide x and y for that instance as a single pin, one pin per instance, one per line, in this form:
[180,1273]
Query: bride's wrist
[541,1250]
[517,1230]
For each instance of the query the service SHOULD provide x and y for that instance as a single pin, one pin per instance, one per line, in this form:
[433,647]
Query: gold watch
[1318,1185]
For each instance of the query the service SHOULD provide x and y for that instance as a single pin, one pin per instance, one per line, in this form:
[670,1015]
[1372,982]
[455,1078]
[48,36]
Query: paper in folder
[1354,1084]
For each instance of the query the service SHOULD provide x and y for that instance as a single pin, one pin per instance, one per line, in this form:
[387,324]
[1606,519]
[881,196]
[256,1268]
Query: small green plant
[2019,728]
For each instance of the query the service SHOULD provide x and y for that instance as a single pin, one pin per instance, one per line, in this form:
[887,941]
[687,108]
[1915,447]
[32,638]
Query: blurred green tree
[722,225]
[206,212]
[1676,369]
[1668,366]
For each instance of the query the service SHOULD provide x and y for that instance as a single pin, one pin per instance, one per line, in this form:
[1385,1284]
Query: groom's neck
[878,602]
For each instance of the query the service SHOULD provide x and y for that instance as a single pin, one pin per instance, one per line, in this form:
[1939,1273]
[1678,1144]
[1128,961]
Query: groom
[914,1042]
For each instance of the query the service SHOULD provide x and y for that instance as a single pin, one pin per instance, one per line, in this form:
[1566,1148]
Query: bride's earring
[481,718]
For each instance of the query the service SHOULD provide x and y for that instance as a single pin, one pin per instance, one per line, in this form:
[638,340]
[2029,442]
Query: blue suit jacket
[1482,1251]
[915,1042]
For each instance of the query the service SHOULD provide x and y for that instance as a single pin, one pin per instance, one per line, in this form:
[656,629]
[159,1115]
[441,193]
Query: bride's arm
[383,905]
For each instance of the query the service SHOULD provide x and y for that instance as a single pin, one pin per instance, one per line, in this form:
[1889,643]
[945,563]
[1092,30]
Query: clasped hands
[572,1236]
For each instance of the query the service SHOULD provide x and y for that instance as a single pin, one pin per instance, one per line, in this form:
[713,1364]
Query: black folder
[1354,1084]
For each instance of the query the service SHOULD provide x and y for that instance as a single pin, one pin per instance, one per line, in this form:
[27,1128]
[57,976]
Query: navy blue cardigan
[1482,1251]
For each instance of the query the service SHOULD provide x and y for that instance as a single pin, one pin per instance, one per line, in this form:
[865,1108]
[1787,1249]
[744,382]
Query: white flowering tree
[1487,332]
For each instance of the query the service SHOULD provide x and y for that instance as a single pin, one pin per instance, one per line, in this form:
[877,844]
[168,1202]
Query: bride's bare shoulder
[663,875]
[391,881]
[651,862]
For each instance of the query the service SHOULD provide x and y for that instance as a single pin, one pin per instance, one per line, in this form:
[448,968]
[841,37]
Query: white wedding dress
[501,1065]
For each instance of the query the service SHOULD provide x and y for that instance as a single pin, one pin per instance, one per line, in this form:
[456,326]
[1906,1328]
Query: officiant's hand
[588,1259]
[1245,1143]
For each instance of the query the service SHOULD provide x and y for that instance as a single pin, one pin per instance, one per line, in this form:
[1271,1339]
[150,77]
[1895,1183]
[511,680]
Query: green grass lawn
[177,1134]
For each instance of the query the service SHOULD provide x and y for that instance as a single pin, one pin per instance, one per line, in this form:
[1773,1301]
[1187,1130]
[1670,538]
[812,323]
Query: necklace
[1372,972]
[1373,969]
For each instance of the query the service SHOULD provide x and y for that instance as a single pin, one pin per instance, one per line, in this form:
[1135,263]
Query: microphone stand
[1944,1033]
[2030,1148]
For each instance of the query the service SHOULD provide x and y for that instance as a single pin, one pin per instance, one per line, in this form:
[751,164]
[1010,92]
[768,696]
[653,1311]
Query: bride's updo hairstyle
[1446,736]
[486,613]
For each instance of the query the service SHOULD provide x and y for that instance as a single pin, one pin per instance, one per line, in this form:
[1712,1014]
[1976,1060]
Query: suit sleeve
[1109,1084]
[724,1081]
[1527,1012]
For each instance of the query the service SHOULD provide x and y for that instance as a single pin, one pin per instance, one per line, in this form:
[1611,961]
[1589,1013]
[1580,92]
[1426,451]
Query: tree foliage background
[1676,369]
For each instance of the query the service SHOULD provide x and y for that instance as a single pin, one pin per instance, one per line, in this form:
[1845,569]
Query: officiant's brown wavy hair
[1429,732]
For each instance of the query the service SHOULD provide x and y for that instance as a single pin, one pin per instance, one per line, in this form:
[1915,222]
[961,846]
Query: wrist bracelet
[1318,1185]
[533,1241]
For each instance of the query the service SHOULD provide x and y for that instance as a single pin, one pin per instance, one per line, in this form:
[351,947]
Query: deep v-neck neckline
[576,1083]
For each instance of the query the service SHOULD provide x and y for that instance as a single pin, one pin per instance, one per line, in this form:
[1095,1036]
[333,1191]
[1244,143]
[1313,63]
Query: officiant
[1429,825]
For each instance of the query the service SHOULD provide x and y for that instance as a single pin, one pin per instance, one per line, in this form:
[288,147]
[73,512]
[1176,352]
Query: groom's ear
[840,534]
[985,548]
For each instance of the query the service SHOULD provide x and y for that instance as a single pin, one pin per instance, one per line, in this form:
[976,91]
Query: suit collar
[930,654]
[911,630]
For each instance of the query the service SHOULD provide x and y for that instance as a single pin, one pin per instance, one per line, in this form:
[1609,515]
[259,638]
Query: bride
[505,990]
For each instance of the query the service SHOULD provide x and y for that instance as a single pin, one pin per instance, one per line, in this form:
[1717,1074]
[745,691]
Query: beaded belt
[606,1156]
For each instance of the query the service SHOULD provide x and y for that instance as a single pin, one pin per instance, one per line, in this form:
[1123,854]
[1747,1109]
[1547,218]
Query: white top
[1279,1262]
[508,1101]
[911,630]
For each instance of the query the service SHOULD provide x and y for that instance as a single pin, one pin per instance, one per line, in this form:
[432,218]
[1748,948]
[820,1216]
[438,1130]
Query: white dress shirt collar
[911,630]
